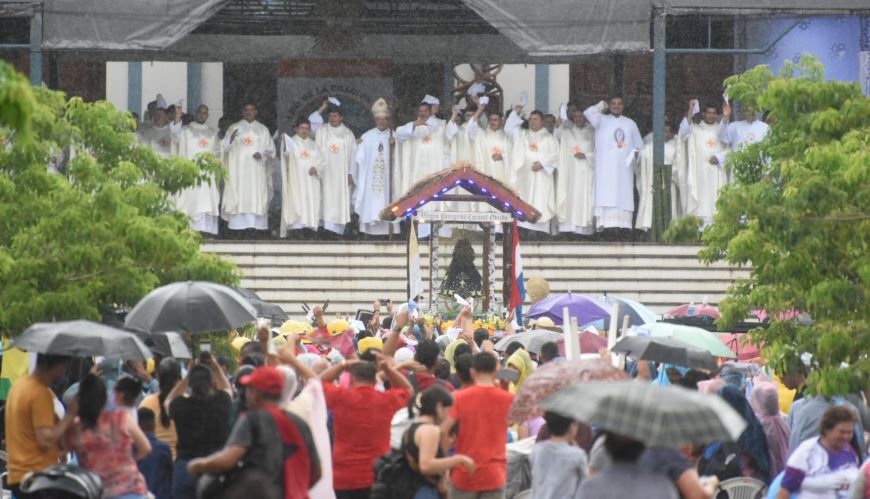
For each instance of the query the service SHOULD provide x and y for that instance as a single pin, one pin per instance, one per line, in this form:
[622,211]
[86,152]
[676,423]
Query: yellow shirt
[164,434]
[30,405]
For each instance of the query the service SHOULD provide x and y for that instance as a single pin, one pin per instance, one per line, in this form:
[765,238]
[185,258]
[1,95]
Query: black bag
[211,486]
[394,476]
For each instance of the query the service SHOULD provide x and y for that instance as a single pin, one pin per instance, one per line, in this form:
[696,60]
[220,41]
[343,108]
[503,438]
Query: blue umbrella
[585,308]
[638,313]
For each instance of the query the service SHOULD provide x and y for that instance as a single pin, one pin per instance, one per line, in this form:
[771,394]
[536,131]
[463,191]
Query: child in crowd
[156,467]
[557,465]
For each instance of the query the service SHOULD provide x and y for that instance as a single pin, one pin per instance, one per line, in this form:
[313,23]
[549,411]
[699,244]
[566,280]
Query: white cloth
[488,143]
[536,188]
[740,134]
[616,140]
[300,203]
[575,179]
[246,192]
[338,146]
[703,179]
[202,202]
[644,181]
[158,138]
[371,175]
[820,481]
[422,152]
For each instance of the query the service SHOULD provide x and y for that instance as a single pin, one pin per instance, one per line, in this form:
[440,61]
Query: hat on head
[432,101]
[380,109]
[403,354]
[161,101]
[266,379]
[369,343]
[542,323]
[239,342]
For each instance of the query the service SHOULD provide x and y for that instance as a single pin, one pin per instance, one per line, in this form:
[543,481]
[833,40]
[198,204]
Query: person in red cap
[291,459]
[362,418]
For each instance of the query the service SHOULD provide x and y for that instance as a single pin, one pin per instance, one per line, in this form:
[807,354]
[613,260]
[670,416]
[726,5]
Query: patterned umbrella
[665,416]
[554,376]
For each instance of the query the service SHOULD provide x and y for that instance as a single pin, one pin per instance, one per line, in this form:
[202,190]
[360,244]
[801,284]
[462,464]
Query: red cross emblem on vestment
[533,147]
[711,143]
[248,140]
[427,139]
[496,150]
[306,154]
[203,142]
[577,149]
[333,148]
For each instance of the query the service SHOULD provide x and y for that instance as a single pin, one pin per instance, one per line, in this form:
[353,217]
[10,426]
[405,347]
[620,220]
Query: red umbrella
[702,310]
[589,343]
[739,344]
[554,376]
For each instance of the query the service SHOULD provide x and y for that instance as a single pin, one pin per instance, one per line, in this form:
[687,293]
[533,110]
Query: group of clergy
[581,176]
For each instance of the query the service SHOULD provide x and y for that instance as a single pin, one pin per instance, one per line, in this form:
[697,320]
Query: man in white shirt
[249,151]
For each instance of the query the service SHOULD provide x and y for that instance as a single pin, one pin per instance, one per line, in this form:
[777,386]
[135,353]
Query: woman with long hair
[104,441]
[201,419]
[168,375]
[422,442]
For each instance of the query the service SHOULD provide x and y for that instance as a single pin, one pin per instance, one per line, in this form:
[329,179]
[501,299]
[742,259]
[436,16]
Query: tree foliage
[102,233]
[798,213]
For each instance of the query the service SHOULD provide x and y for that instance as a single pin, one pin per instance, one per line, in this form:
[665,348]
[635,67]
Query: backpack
[394,476]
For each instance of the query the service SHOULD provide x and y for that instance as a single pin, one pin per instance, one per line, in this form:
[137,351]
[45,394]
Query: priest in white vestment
[575,175]
[644,178]
[250,153]
[201,203]
[534,160]
[617,143]
[456,134]
[338,145]
[158,136]
[706,173]
[740,134]
[302,167]
[371,172]
[422,149]
[492,147]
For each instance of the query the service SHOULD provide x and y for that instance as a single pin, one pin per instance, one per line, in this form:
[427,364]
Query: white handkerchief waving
[696,108]
[524,98]
[334,101]
[484,100]
[563,112]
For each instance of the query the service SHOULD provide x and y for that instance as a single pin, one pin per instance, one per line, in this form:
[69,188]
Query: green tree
[100,235]
[798,213]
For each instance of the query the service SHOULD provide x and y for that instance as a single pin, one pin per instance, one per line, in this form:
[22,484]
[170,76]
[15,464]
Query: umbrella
[664,349]
[694,336]
[190,307]
[740,345]
[554,376]
[637,312]
[656,415]
[265,309]
[530,340]
[589,343]
[169,344]
[82,339]
[700,310]
[585,308]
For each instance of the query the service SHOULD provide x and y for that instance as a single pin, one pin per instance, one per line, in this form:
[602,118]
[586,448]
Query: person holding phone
[201,419]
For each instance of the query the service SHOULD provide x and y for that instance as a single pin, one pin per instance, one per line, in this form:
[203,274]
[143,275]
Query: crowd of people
[398,409]
[581,170]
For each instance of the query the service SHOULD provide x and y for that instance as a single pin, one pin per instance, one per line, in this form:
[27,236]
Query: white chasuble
[703,179]
[575,178]
[246,198]
[202,202]
[300,200]
[371,175]
[535,187]
[644,181]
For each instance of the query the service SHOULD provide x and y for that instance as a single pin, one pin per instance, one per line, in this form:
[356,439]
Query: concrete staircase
[353,274]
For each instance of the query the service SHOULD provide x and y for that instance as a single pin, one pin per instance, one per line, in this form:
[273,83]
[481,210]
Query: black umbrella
[265,309]
[168,345]
[82,339]
[664,349]
[190,307]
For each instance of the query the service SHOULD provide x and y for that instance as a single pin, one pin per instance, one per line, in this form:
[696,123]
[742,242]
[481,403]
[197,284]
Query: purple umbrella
[585,308]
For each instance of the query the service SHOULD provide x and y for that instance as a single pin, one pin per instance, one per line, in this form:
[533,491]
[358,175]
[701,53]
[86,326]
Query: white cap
[334,101]
[380,109]
[476,88]
[161,101]
[432,101]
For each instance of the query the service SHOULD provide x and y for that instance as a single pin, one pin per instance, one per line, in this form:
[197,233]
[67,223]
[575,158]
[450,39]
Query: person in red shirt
[362,419]
[481,411]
